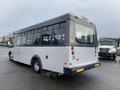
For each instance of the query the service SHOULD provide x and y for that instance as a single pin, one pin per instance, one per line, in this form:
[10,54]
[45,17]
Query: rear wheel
[37,67]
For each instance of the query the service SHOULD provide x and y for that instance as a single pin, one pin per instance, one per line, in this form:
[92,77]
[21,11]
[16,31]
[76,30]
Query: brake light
[72,48]
[65,63]
[72,52]
[97,65]
[95,52]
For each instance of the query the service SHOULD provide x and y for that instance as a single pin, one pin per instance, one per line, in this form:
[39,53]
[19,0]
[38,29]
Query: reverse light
[80,70]
[97,65]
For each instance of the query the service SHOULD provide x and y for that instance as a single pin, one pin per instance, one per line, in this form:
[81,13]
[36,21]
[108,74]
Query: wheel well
[34,58]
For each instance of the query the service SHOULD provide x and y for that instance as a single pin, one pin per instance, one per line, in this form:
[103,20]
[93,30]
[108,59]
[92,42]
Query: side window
[46,39]
[44,28]
[18,41]
[23,39]
[37,42]
[58,39]
[33,32]
[56,26]
[50,27]
[29,38]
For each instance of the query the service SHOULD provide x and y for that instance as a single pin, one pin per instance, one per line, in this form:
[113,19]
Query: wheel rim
[36,66]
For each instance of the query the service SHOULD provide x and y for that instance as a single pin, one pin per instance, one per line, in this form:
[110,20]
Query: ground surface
[14,76]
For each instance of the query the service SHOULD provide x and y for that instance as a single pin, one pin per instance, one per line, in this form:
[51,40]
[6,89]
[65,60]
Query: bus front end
[83,51]
[107,48]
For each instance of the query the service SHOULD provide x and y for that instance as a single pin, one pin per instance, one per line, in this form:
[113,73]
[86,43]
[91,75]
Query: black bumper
[101,54]
[77,70]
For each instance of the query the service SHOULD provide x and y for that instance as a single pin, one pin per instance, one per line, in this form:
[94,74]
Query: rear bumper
[101,54]
[77,70]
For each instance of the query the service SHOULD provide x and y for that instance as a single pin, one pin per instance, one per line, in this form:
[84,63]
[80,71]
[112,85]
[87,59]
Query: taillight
[72,50]
[95,51]
[65,63]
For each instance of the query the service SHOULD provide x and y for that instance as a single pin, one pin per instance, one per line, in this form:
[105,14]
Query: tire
[36,66]
[9,54]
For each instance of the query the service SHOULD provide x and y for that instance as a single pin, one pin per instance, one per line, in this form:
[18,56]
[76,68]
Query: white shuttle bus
[63,45]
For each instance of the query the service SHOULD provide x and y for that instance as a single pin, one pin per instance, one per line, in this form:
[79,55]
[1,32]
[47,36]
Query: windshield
[107,43]
[84,34]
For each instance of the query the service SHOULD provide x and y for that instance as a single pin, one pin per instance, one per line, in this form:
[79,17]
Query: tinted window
[56,26]
[58,39]
[33,31]
[50,27]
[44,28]
[46,39]
[62,25]
[44,36]
[37,41]
[107,42]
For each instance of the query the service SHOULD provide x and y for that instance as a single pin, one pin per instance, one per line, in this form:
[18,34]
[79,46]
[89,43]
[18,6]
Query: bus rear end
[83,53]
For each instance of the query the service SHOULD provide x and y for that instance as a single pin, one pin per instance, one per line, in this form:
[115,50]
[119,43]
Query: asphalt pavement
[16,76]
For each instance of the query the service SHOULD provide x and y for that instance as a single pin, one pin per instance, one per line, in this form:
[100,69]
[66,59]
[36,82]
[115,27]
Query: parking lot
[15,76]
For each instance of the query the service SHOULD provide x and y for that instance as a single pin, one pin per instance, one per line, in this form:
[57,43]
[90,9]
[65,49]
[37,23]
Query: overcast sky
[17,14]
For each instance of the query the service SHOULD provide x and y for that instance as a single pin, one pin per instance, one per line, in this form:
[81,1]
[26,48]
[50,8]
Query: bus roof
[62,18]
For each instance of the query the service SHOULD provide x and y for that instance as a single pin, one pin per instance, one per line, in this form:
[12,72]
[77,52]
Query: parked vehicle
[63,45]
[10,44]
[107,48]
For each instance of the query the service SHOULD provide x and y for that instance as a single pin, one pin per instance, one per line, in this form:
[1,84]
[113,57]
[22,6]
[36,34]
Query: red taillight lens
[72,48]
[72,53]
[65,63]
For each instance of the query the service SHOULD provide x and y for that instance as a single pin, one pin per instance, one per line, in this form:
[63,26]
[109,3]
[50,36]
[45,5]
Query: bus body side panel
[56,56]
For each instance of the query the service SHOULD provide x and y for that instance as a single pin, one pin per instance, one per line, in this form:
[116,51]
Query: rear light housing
[65,63]
[72,53]
[72,48]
